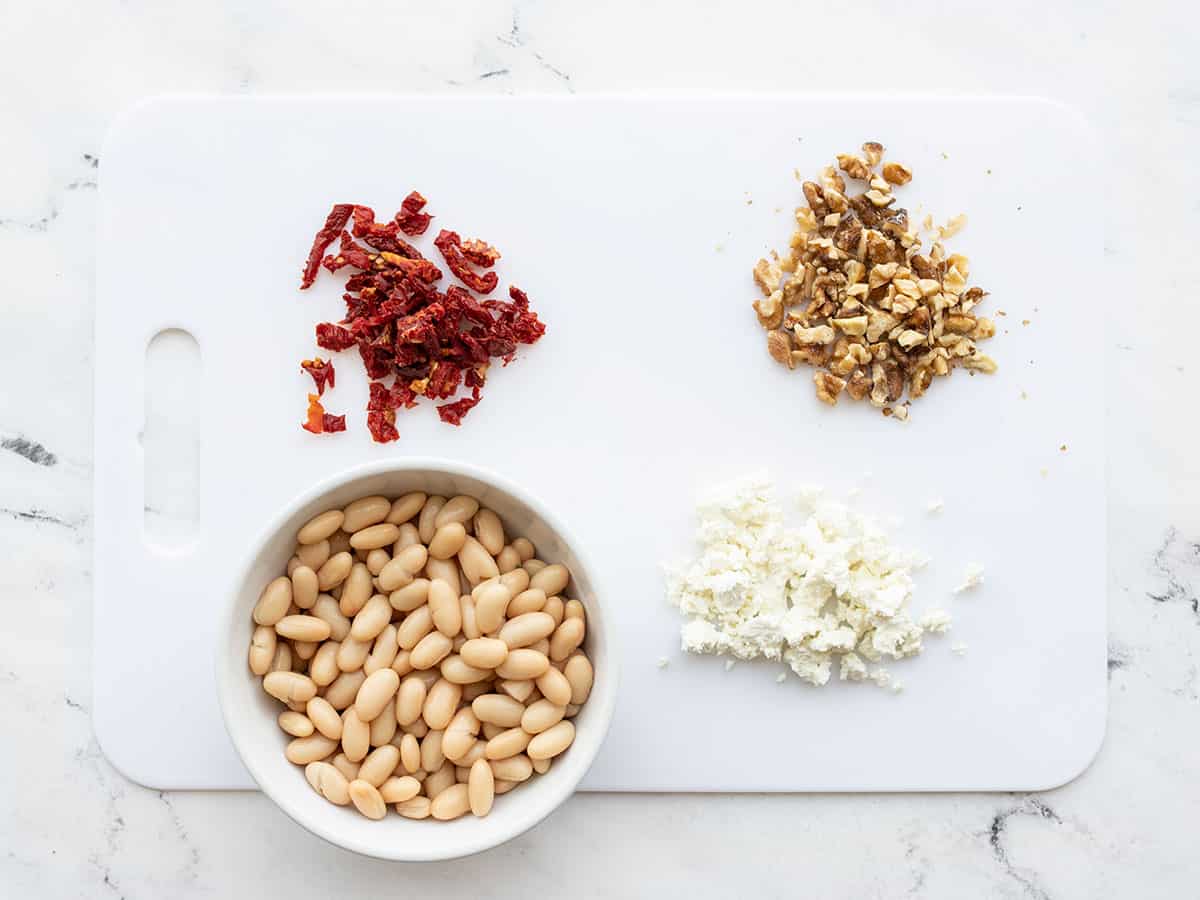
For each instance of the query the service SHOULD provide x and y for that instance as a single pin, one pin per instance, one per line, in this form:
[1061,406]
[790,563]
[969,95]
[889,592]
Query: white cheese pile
[833,589]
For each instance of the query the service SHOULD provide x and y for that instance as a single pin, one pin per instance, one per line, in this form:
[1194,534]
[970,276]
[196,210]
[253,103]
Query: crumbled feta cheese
[936,621]
[663,662]
[729,663]
[833,590]
[781,678]
[972,578]
[935,506]
[960,648]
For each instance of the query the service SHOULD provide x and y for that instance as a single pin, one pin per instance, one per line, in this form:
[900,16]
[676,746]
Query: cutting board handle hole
[170,441]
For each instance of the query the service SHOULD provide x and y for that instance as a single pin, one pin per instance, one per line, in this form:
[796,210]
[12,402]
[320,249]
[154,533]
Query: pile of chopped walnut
[856,298]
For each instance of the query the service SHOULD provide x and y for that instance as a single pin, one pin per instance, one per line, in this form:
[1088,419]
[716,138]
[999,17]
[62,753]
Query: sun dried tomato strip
[480,252]
[454,413]
[421,269]
[382,425]
[410,219]
[334,337]
[334,223]
[320,422]
[349,254]
[449,244]
[381,235]
[321,371]
[443,381]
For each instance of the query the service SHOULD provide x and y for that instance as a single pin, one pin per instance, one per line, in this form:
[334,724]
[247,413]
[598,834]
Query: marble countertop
[71,826]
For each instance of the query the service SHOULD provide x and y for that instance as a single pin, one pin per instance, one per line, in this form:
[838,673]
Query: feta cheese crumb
[959,648]
[935,506]
[832,591]
[663,662]
[781,678]
[972,578]
[936,621]
[729,664]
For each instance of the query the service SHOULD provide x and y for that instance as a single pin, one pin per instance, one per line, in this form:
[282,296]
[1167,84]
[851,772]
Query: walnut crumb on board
[855,297]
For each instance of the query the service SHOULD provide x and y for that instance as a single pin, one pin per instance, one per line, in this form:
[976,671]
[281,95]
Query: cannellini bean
[438,781]
[406,507]
[376,560]
[443,569]
[320,527]
[526,629]
[313,555]
[352,654]
[303,628]
[458,509]
[441,703]
[348,769]
[303,750]
[555,609]
[283,657]
[344,688]
[477,564]
[490,605]
[524,548]
[287,686]
[533,566]
[410,753]
[448,540]
[356,736]
[416,808]
[426,526]
[507,743]
[522,664]
[541,715]
[297,724]
[323,668]
[274,602]
[371,619]
[356,590]
[498,709]
[566,638]
[383,651]
[554,687]
[379,764]
[552,741]
[409,537]
[528,601]
[396,575]
[325,718]
[552,579]
[398,789]
[384,726]
[431,650]
[455,669]
[432,756]
[410,699]
[327,608]
[375,693]
[503,787]
[402,664]
[517,581]
[304,587]
[327,781]
[490,730]
[365,511]
[573,609]
[366,799]
[542,766]
[489,531]
[335,570]
[514,768]
[507,560]
[481,787]
[451,803]
[409,597]
[578,671]
[293,564]
[444,607]
[484,653]
[519,689]
[375,536]
[470,627]
[262,649]
[415,626]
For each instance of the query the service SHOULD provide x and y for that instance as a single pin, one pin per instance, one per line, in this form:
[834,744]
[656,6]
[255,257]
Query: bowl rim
[605,699]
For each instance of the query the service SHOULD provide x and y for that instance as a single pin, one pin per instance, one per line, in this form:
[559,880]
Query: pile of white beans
[425,661]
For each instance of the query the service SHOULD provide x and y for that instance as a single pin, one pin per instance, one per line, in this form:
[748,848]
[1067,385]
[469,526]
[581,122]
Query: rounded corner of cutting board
[116,751]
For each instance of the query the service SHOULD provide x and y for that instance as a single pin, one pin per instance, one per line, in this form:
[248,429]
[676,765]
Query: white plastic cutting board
[633,225]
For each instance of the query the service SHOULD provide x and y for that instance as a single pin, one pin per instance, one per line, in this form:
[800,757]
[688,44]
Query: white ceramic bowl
[250,713]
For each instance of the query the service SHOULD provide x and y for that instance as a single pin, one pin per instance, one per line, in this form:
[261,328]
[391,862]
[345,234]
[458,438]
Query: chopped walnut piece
[896,173]
[828,387]
[779,345]
[859,298]
[767,276]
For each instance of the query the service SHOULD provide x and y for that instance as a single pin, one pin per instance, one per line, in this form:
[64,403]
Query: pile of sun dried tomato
[429,342]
